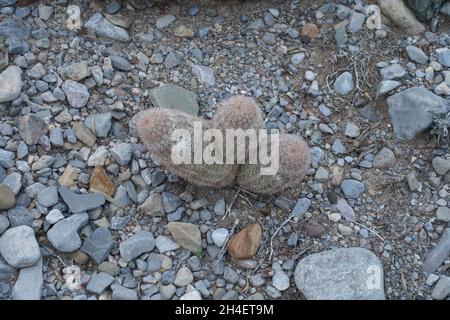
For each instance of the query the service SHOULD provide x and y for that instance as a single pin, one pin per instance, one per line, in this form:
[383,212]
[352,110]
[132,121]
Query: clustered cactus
[156,125]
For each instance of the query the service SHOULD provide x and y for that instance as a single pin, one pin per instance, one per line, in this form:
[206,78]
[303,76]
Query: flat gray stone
[438,254]
[411,111]
[81,202]
[103,28]
[341,274]
[171,96]
[352,189]
[76,93]
[48,197]
[416,54]
[31,128]
[139,243]
[100,124]
[204,74]
[98,245]
[10,83]
[29,284]
[99,282]
[121,152]
[343,84]
[165,21]
[392,72]
[20,216]
[64,234]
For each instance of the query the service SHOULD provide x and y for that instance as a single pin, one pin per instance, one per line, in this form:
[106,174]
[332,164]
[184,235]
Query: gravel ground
[85,213]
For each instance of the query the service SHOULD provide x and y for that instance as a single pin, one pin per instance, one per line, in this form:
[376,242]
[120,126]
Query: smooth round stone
[219,236]
[54,216]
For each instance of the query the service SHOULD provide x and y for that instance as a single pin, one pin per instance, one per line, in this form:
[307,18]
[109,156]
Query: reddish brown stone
[100,182]
[244,244]
[310,31]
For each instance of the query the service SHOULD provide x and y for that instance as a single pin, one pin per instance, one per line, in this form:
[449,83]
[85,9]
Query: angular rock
[29,284]
[343,84]
[411,111]
[98,245]
[100,182]
[204,74]
[438,254]
[186,235]
[48,197]
[81,202]
[385,158]
[121,152]
[7,198]
[341,274]
[103,28]
[20,216]
[401,16]
[99,282]
[76,71]
[153,205]
[84,134]
[64,234]
[31,128]
[171,96]
[76,93]
[352,189]
[139,243]
[245,244]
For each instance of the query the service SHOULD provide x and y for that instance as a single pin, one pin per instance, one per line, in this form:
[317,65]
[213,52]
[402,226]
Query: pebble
[442,289]
[99,282]
[137,244]
[416,54]
[31,128]
[10,84]
[219,236]
[64,234]
[77,93]
[7,198]
[30,282]
[18,246]
[98,245]
[343,84]
[186,235]
[184,277]
[80,202]
[165,21]
[103,28]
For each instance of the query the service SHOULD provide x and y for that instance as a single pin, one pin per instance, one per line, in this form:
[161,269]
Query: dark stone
[424,9]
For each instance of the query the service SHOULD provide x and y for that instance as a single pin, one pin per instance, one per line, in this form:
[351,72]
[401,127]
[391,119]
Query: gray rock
[165,21]
[100,124]
[342,12]
[121,293]
[81,202]
[99,282]
[14,182]
[121,152]
[230,275]
[204,74]
[219,236]
[4,224]
[173,59]
[442,289]
[297,58]
[10,83]
[31,128]
[411,111]
[184,277]
[341,35]
[77,94]
[120,63]
[29,284]
[392,72]
[48,197]
[441,165]
[76,71]
[356,22]
[219,207]
[443,214]
[438,254]
[18,246]
[341,274]
[153,205]
[164,244]
[54,216]
[352,130]
[301,207]
[269,38]
[385,158]
[280,280]
[338,147]
[139,243]
[445,9]
[6,158]
[352,189]
[343,84]
[103,28]
[20,216]
[98,245]
[37,72]
[443,55]
[56,137]
[416,54]
[64,234]
[386,86]
[22,150]
[424,10]
[171,96]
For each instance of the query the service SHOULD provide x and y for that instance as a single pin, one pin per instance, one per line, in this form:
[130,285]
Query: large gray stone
[18,246]
[411,111]
[64,234]
[438,254]
[171,96]
[48,197]
[137,244]
[99,282]
[100,124]
[10,84]
[103,28]
[98,245]
[343,84]
[341,274]
[29,284]
[424,9]
[31,128]
[81,202]
[77,94]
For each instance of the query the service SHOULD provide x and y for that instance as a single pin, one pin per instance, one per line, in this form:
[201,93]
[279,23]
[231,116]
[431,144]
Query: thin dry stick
[231,205]
[276,232]
[368,229]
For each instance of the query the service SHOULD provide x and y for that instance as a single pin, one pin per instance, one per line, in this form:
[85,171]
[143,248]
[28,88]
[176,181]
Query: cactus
[294,157]
[155,127]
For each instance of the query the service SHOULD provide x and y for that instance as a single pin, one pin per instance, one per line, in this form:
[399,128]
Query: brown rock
[186,235]
[100,182]
[84,134]
[7,198]
[69,177]
[310,31]
[314,228]
[184,32]
[244,244]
